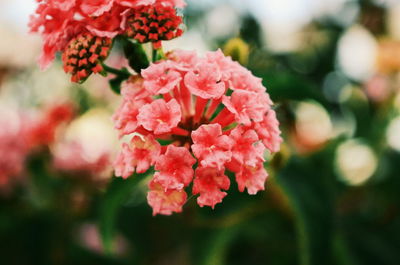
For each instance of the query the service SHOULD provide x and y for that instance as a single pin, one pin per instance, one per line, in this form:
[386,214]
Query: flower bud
[83,56]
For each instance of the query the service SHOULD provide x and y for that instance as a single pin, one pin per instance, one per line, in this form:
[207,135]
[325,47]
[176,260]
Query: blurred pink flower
[42,130]
[13,148]
[89,237]
[378,88]
[71,157]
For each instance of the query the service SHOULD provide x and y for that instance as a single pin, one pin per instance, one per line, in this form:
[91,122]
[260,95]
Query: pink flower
[63,5]
[125,118]
[247,150]
[134,97]
[183,60]
[108,25]
[208,183]
[165,202]
[225,64]
[160,116]
[123,164]
[96,7]
[211,147]
[57,28]
[160,78]
[205,82]
[174,3]
[268,131]
[244,80]
[138,156]
[252,178]
[136,3]
[247,106]
[200,127]
[175,168]
[133,88]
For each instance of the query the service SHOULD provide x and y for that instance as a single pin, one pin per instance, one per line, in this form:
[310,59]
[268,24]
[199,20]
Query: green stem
[157,54]
[115,71]
[154,55]
[117,193]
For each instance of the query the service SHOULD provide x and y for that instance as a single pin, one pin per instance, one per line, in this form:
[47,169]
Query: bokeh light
[355,162]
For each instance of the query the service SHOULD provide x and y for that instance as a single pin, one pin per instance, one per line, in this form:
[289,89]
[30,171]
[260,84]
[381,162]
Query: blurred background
[333,197]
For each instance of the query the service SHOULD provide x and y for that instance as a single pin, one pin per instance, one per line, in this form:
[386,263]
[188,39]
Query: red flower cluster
[154,24]
[211,111]
[83,56]
[60,21]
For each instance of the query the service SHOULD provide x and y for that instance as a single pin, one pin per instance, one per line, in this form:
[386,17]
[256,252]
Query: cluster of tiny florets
[154,24]
[212,116]
[84,56]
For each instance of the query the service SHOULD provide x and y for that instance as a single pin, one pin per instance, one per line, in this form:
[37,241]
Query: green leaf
[116,82]
[211,245]
[42,183]
[120,76]
[117,193]
[308,183]
[136,55]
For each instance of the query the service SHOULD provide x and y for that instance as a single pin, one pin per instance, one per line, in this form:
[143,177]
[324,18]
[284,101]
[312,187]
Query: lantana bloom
[193,119]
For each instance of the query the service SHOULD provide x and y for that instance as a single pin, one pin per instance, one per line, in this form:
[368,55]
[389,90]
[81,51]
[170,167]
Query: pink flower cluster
[60,21]
[211,114]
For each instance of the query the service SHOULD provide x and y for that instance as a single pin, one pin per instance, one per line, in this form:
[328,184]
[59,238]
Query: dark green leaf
[136,55]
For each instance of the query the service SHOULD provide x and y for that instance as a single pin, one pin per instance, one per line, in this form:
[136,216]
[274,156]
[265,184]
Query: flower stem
[157,54]
[120,76]
[115,71]
[154,55]
[117,193]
